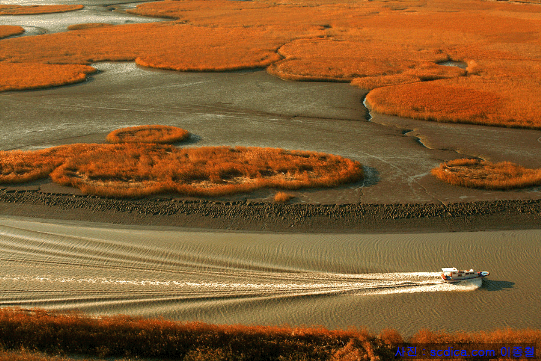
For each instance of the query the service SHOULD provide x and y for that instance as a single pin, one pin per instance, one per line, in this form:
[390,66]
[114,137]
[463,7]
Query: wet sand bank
[253,215]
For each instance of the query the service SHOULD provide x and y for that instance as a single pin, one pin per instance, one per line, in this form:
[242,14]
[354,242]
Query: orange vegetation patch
[497,92]
[161,45]
[17,166]
[113,337]
[283,197]
[139,169]
[434,101]
[475,173]
[32,356]
[36,9]
[324,59]
[148,134]
[9,30]
[17,76]
[374,44]
[141,338]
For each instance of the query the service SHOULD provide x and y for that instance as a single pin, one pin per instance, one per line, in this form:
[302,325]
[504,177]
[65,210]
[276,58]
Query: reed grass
[20,76]
[36,9]
[333,60]
[25,355]
[128,170]
[43,333]
[10,30]
[475,173]
[17,166]
[498,93]
[389,47]
[283,197]
[166,45]
[435,101]
[122,336]
[139,166]
[148,134]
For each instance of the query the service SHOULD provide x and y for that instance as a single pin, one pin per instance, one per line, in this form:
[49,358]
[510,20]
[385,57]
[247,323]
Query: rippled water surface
[337,281]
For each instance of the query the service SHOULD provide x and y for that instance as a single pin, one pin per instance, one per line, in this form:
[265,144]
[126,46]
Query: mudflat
[253,108]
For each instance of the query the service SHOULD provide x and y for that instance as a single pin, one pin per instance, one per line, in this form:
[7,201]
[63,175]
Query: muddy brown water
[337,280]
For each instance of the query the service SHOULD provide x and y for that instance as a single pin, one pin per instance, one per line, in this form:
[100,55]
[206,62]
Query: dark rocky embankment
[269,216]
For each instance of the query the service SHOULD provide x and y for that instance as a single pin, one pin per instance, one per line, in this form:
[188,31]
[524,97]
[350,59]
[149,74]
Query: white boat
[452,275]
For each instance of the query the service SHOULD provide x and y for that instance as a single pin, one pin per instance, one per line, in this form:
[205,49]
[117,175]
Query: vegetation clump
[36,9]
[138,166]
[148,134]
[15,76]
[434,101]
[10,30]
[122,336]
[143,169]
[20,166]
[344,61]
[283,197]
[396,50]
[475,173]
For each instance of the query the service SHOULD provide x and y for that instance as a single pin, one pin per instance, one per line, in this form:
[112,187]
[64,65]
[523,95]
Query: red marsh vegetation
[392,47]
[14,76]
[135,168]
[36,9]
[139,169]
[9,30]
[283,197]
[136,338]
[19,166]
[476,173]
[148,134]
[165,45]
[26,355]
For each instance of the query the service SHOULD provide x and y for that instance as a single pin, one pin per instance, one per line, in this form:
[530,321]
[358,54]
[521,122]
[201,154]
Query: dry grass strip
[36,9]
[148,134]
[137,338]
[10,30]
[128,170]
[14,76]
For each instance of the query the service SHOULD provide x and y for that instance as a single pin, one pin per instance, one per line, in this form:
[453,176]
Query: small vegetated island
[141,164]
[476,173]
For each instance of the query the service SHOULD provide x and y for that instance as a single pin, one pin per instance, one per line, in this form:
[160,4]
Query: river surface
[337,281]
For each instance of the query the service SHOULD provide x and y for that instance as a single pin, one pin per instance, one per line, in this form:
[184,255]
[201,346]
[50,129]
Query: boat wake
[45,290]
[64,270]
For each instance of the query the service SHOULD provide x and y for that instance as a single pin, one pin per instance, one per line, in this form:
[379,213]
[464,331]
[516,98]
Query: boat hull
[452,275]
